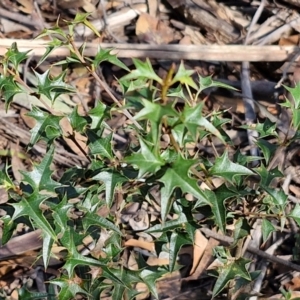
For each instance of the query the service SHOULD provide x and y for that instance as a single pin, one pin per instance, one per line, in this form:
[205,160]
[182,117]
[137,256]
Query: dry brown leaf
[29,121]
[16,163]
[80,146]
[199,249]
[146,24]
[156,261]
[141,244]
[26,6]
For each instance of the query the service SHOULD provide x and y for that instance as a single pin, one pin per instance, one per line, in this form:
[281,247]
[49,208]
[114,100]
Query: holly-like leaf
[295,93]
[14,56]
[9,88]
[69,287]
[29,206]
[231,270]
[207,82]
[150,276]
[143,70]
[177,240]
[105,55]
[97,115]
[193,118]
[225,168]
[279,197]
[46,249]
[177,175]
[77,121]
[53,87]
[267,229]
[44,120]
[100,145]
[93,219]
[267,149]
[266,176]
[146,160]
[184,77]
[111,180]
[81,18]
[169,225]
[241,229]
[40,177]
[295,214]
[51,46]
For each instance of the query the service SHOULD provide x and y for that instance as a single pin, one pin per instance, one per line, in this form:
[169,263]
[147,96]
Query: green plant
[156,169]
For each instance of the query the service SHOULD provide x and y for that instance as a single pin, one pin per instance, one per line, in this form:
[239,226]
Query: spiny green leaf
[207,82]
[8,88]
[14,56]
[177,175]
[295,93]
[229,271]
[295,214]
[77,121]
[29,206]
[40,177]
[43,120]
[266,176]
[225,168]
[51,46]
[81,18]
[46,250]
[69,287]
[111,180]
[97,115]
[8,228]
[93,219]
[146,160]
[100,145]
[241,229]
[104,55]
[192,118]
[150,276]
[267,228]
[177,240]
[169,225]
[53,87]
[143,70]
[184,77]
[279,197]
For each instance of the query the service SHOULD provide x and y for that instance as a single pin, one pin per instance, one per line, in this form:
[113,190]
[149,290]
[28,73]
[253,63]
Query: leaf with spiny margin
[295,93]
[69,287]
[218,208]
[97,115]
[104,55]
[279,197]
[81,18]
[177,175]
[8,228]
[60,215]
[46,249]
[143,70]
[77,122]
[184,77]
[207,82]
[150,276]
[9,88]
[100,145]
[264,129]
[267,228]
[43,121]
[241,230]
[192,118]
[267,149]
[169,225]
[266,176]
[146,160]
[228,170]
[177,240]
[231,270]
[51,46]
[52,87]
[93,219]
[295,214]
[14,56]
[29,206]
[40,177]
[74,258]
[111,179]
